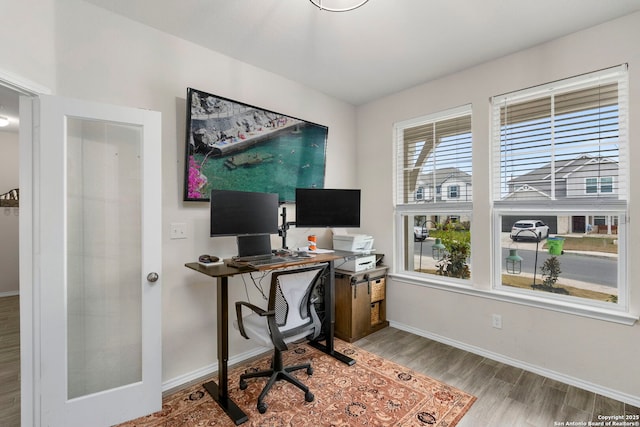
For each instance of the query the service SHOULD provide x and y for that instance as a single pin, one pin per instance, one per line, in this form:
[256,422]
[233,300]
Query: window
[559,156]
[433,195]
[599,185]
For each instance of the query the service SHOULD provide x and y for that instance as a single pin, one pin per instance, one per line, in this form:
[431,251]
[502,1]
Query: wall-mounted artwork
[10,199]
[236,146]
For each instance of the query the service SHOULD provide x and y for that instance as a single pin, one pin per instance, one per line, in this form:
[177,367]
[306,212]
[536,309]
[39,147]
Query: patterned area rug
[373,392]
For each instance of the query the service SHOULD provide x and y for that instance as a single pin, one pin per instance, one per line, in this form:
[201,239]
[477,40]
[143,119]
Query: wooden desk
[220,391]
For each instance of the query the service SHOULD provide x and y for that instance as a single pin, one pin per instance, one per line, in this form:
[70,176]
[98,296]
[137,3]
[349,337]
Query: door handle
[153,277]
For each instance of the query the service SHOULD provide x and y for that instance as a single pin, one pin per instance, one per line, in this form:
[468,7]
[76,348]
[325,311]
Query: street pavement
[427,262]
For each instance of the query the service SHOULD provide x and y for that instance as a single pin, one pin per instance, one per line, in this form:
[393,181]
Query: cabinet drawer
[377,289]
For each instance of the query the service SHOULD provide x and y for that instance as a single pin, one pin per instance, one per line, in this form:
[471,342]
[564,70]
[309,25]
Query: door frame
[29,286]
[29,356]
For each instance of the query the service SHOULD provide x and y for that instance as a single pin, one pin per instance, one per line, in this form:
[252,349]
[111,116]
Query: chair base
[278,372]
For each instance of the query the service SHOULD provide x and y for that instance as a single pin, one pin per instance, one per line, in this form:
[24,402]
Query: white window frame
[592,186]
[433,208]
[610,184]
[599,185]
[608,207]
[454,191]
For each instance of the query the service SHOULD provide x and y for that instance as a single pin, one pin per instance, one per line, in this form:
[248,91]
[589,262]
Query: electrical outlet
[496,321]
[178,230]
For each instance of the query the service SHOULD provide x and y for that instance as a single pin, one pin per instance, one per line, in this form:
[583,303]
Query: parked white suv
[420,233]
[529,229]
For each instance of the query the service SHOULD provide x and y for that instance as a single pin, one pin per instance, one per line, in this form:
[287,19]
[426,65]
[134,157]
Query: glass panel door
[97,263]
[104,257]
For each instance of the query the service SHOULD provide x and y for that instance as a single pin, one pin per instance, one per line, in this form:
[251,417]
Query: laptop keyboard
[252,258]
[272,260]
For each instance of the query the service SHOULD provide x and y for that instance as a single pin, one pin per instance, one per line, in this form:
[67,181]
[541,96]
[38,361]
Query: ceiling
[381,48]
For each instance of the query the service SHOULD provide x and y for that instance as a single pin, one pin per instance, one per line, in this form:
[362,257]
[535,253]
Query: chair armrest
[276,336]
[259,311]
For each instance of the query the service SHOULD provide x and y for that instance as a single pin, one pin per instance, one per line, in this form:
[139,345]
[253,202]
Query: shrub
[458,246]
[550,271]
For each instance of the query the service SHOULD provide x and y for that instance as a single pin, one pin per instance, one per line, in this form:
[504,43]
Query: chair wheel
[309,370]
[243,385]
[308,396]
[262,407]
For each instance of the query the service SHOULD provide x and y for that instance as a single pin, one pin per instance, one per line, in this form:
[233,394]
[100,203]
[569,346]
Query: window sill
[527,300]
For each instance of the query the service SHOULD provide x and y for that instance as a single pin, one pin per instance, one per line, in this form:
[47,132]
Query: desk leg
[220,392]
[330,322]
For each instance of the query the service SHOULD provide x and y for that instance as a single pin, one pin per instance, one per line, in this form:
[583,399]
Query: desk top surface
[223,270]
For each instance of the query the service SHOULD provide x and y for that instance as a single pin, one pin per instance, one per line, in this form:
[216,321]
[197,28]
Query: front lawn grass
[526,282]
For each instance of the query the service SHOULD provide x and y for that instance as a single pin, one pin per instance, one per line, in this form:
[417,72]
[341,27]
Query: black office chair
[290,316]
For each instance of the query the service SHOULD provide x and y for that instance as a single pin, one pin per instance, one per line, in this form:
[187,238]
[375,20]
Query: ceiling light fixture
[338,5]
[4,122]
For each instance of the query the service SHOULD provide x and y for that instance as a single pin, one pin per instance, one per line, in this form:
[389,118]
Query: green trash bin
[555,245]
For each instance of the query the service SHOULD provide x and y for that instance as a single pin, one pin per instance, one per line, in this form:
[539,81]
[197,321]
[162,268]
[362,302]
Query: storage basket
[377,289]
[375,313]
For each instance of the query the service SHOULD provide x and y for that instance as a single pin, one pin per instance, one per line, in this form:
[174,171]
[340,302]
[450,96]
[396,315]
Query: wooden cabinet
[360,303]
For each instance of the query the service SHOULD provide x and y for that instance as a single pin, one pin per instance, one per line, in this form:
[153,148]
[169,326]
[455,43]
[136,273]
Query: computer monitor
[236,213]
[323,207]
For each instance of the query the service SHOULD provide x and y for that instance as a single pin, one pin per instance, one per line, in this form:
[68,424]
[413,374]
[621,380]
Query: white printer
[353,242]
[361,245]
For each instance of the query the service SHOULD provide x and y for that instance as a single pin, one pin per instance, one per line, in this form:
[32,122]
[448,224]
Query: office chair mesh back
[281,307]
[289,294]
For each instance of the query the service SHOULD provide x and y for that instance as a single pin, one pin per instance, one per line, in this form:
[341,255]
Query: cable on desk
[257,285]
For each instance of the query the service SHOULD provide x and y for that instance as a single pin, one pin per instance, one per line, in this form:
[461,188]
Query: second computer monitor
[323,207]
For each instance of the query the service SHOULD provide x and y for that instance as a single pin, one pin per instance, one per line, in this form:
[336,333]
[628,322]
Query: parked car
[420,233]
[529,229]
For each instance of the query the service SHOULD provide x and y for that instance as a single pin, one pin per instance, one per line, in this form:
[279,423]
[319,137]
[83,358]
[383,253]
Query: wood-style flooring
[9,361]
[507,396]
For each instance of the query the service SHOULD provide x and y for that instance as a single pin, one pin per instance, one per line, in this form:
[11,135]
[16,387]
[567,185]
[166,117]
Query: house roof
[443,175]
[564,168]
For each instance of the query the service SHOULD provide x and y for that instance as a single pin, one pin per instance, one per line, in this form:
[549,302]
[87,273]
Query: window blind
[564,142]
[433,159]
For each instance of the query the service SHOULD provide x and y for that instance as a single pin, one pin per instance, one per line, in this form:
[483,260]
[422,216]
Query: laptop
[253,247]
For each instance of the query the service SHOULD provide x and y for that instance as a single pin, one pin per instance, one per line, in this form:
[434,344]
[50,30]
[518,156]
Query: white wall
[594,353]
[9,280]
[103,57]
[27,30]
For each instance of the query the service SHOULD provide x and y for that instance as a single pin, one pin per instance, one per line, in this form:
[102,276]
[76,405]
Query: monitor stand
[284,227]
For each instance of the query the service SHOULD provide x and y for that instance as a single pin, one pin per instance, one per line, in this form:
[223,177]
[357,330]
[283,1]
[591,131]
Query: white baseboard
[206,371]
[9,294]
[576,382]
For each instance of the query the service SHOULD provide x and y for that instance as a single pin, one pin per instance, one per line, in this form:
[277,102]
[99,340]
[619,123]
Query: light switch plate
[178,230]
